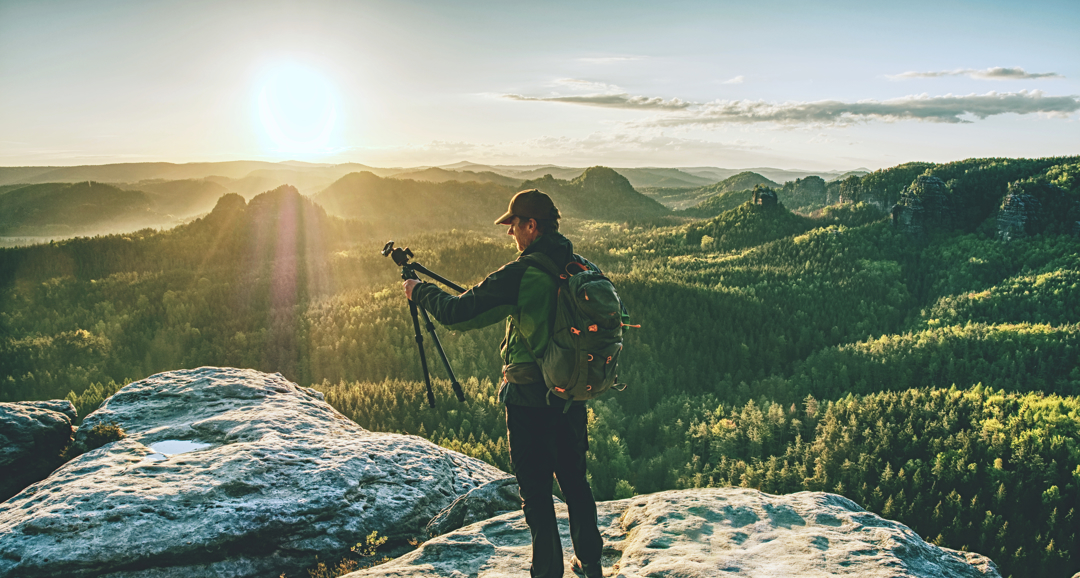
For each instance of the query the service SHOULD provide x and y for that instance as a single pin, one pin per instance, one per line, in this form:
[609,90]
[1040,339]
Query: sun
[296,106]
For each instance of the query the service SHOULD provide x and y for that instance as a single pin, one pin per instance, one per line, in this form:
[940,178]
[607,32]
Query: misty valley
[908,338]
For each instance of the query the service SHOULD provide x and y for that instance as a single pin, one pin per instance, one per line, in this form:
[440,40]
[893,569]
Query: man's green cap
[529,204]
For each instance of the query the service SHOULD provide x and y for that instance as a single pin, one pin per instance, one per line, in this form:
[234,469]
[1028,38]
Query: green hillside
[975,186]
[732,187]
[719,203]
[661,177]
[71,209]
[599,193]
[742,181]
[933,378]
[389,206]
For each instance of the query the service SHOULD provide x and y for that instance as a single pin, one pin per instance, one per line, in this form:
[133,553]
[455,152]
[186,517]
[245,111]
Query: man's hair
[551,224]
[545,225]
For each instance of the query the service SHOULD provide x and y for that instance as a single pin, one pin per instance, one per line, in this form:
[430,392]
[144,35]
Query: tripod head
[399,255]
[409,270]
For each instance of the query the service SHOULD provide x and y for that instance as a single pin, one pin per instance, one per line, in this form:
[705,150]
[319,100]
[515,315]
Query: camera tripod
[409,271]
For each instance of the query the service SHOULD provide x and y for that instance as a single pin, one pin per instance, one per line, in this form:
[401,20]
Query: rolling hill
[599,193]
[389,206]
[67,209]
[685,199]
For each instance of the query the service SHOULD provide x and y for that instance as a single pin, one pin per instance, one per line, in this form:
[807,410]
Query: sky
[788,84]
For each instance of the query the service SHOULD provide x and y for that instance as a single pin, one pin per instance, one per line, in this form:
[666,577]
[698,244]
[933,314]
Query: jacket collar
[554,245]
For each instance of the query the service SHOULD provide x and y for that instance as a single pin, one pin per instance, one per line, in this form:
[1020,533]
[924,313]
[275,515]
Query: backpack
[582,355]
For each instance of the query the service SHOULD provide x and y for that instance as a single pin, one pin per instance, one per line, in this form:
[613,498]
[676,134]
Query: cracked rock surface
[487,501]
[707,533]
[280,476]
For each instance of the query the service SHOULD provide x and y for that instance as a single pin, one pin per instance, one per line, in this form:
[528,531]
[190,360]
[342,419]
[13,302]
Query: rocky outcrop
[924,207]
[271,477]
[1020,216]
[764,196]
[1033,207]
[33,437]
[707,533]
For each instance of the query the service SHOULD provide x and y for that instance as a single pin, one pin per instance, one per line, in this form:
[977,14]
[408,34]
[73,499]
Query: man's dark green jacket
[517,290]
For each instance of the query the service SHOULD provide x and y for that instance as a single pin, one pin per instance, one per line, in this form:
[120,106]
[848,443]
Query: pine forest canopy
[915,347]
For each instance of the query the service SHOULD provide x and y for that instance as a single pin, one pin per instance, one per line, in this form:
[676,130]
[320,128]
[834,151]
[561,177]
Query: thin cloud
[996,73]
[590,85]
[943,109]
[737,80]
[948,109]
[610,101]
[610,59]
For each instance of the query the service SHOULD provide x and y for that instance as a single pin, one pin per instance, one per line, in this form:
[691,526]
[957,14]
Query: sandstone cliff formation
[707,533]
[924,207]
[1033,207]
[33,437]
[226,472]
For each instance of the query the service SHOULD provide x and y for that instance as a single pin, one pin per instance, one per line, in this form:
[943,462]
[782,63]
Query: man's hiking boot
[586,570]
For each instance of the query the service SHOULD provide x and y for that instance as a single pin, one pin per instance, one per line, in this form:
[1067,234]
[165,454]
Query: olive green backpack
[582,356]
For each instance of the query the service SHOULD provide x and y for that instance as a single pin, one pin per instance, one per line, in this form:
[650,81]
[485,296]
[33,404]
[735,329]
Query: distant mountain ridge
[393,204]
[309,178]
[440,175]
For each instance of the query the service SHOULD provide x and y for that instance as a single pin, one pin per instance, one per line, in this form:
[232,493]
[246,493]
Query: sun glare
[296,106]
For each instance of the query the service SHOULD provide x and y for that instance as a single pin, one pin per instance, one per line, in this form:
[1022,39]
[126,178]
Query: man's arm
[489,302]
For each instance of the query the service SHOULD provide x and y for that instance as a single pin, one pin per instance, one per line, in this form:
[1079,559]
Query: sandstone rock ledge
[33,435]
[707,533]
[280,478]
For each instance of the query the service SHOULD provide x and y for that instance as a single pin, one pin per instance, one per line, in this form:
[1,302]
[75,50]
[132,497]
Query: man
[543,439]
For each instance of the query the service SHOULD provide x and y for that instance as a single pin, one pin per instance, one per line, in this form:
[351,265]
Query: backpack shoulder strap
[542,262]
[547,264]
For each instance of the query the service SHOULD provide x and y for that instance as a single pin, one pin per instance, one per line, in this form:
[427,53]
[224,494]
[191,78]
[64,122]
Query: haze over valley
[51,203]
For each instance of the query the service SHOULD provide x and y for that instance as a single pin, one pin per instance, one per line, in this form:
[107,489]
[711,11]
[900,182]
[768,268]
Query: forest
[906,338]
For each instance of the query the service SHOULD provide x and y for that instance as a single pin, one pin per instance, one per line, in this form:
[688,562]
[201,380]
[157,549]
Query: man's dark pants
[546,441]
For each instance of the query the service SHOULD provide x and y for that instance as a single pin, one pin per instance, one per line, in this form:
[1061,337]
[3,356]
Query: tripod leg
[442,354]
[420,344]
